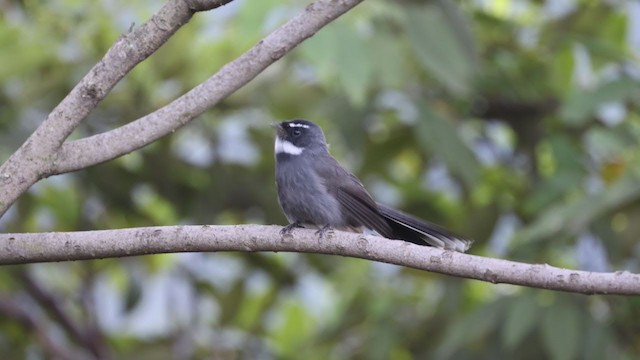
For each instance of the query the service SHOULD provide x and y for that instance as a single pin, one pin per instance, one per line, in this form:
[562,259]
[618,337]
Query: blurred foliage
[512,122]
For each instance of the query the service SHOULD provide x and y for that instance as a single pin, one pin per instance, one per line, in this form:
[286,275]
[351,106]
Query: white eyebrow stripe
[286,147]
[299,125]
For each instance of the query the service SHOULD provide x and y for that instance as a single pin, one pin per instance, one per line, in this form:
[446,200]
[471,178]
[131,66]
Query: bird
[315,191]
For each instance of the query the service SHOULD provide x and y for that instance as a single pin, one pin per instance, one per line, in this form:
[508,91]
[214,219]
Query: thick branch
[125,139]
[37,157]
[46,247]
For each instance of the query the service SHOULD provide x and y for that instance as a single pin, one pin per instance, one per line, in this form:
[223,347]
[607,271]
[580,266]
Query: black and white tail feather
[409,228]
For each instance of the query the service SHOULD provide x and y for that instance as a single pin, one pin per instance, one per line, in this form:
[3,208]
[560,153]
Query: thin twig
[12,309]
[52,306]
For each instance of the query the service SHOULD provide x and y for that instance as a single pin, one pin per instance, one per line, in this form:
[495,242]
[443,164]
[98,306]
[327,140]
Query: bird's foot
[287,229]
[326,230]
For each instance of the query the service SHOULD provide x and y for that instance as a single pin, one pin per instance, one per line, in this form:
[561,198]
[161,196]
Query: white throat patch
[286,147]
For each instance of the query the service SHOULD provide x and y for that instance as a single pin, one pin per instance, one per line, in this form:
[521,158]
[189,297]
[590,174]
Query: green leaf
[355,70]
[253,308]
[392,70]
[439,48]
[251,20]
[231,301]
[561,331]
[65,204]
[295,326]
[151,204]
[471,327]
[521,318]
[559,161]
[566,153]
[610,143]
[439,136]
[570,218]
[342,56]
[561,69]
[582,105]
[598,341]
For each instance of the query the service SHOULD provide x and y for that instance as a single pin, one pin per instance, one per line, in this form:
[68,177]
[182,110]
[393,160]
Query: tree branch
[12,309]
[37,157]
[51,305]
[64,246]
[132,136]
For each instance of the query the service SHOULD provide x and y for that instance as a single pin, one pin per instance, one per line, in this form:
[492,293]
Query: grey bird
[314,190]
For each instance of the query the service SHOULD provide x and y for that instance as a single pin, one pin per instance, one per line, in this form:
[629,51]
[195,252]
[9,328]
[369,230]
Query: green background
[514,123]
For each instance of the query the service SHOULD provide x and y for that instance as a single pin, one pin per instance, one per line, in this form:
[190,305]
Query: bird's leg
[324,230]
[287,229]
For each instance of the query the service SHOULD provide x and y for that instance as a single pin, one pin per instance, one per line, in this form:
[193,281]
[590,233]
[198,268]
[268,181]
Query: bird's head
[297,136]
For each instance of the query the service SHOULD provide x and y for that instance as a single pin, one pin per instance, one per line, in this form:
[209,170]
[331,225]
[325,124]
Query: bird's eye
[297,132]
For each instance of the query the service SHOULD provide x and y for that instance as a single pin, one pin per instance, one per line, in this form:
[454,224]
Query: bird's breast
[303,196]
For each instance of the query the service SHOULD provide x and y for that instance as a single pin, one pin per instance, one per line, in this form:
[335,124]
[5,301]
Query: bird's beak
[279,130]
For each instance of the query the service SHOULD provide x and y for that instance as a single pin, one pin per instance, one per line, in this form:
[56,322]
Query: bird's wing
[360,210]
[354,199]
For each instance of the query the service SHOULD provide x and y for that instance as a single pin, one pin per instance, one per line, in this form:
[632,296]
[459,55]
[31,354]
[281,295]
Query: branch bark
[65,246]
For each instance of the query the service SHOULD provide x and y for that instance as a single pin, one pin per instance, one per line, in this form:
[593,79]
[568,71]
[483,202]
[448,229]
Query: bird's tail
[409,228]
